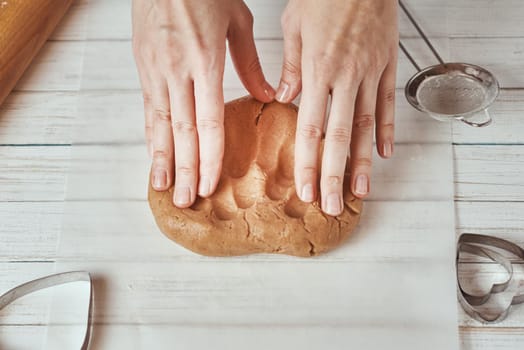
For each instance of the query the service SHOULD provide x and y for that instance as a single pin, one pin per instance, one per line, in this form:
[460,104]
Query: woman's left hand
[346,49]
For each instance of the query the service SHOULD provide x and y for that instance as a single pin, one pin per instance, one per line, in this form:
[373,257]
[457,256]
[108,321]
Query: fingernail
[307,193]
[182,196]
[283,92]
[159,179]
[269,91]
[388,150]
[203,186]
[361,185]
[334,204]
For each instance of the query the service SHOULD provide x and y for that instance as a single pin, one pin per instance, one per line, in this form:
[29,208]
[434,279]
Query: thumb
[245,58]
[290,80]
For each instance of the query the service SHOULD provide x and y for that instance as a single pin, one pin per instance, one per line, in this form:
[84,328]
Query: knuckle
[310,132]
[351,67]
[171,44]
[363,162]
[321,65]
[161,155]
[389,95]
[208,125]
[375,65]
[185,171]
[333,180]
[364,121]
[387,126]
[307,172]
[252,67]
[162,114]
[147,98]
[291,68]
[339,135]
[173,63]
[182,126]
[208,61]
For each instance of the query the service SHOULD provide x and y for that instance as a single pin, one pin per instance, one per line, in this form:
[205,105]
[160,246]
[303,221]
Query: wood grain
[24,28]
[488,166]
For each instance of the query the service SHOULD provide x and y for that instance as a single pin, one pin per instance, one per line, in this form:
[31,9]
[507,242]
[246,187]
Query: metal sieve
[448,91]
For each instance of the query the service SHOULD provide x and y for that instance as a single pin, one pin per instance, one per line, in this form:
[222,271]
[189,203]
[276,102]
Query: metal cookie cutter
[51,281]
[481,245]
[447,91]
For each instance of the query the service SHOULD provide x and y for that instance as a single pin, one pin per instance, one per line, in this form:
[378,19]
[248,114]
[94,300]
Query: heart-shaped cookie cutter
[52,281]
[481,245]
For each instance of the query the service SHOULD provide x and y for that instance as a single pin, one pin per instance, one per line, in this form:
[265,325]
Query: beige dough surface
[255,208]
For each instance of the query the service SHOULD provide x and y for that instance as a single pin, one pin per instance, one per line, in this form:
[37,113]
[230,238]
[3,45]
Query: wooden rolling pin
[25,26]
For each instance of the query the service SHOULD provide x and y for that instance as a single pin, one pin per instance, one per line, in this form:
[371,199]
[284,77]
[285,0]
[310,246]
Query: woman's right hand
[179,48]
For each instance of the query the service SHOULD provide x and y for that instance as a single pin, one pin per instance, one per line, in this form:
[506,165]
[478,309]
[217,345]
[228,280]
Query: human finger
[209,105]
[310,126]
[145,84]
[182,101]
[336,146]
[361,149]
[385,129]
[162,138]
[291,76]
[245,58]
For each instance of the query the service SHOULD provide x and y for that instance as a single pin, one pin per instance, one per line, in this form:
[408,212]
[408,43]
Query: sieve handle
[480,124]
[422,34]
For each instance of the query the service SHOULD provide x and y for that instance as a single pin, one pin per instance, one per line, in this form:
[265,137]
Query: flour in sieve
[451,94]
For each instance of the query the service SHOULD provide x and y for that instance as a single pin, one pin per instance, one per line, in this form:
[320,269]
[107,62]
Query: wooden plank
[503,219]
[507,127]
[502,56]
[22,337]
[485,18]
[74,24]
[38,118]
[489,173]
[57,67]
[33,173]
[30,230]
[486,338]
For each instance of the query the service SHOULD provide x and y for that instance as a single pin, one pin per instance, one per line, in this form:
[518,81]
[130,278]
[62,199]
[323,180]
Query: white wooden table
[37,119]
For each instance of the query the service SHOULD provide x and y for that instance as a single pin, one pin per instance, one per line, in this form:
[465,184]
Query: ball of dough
[255,208]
